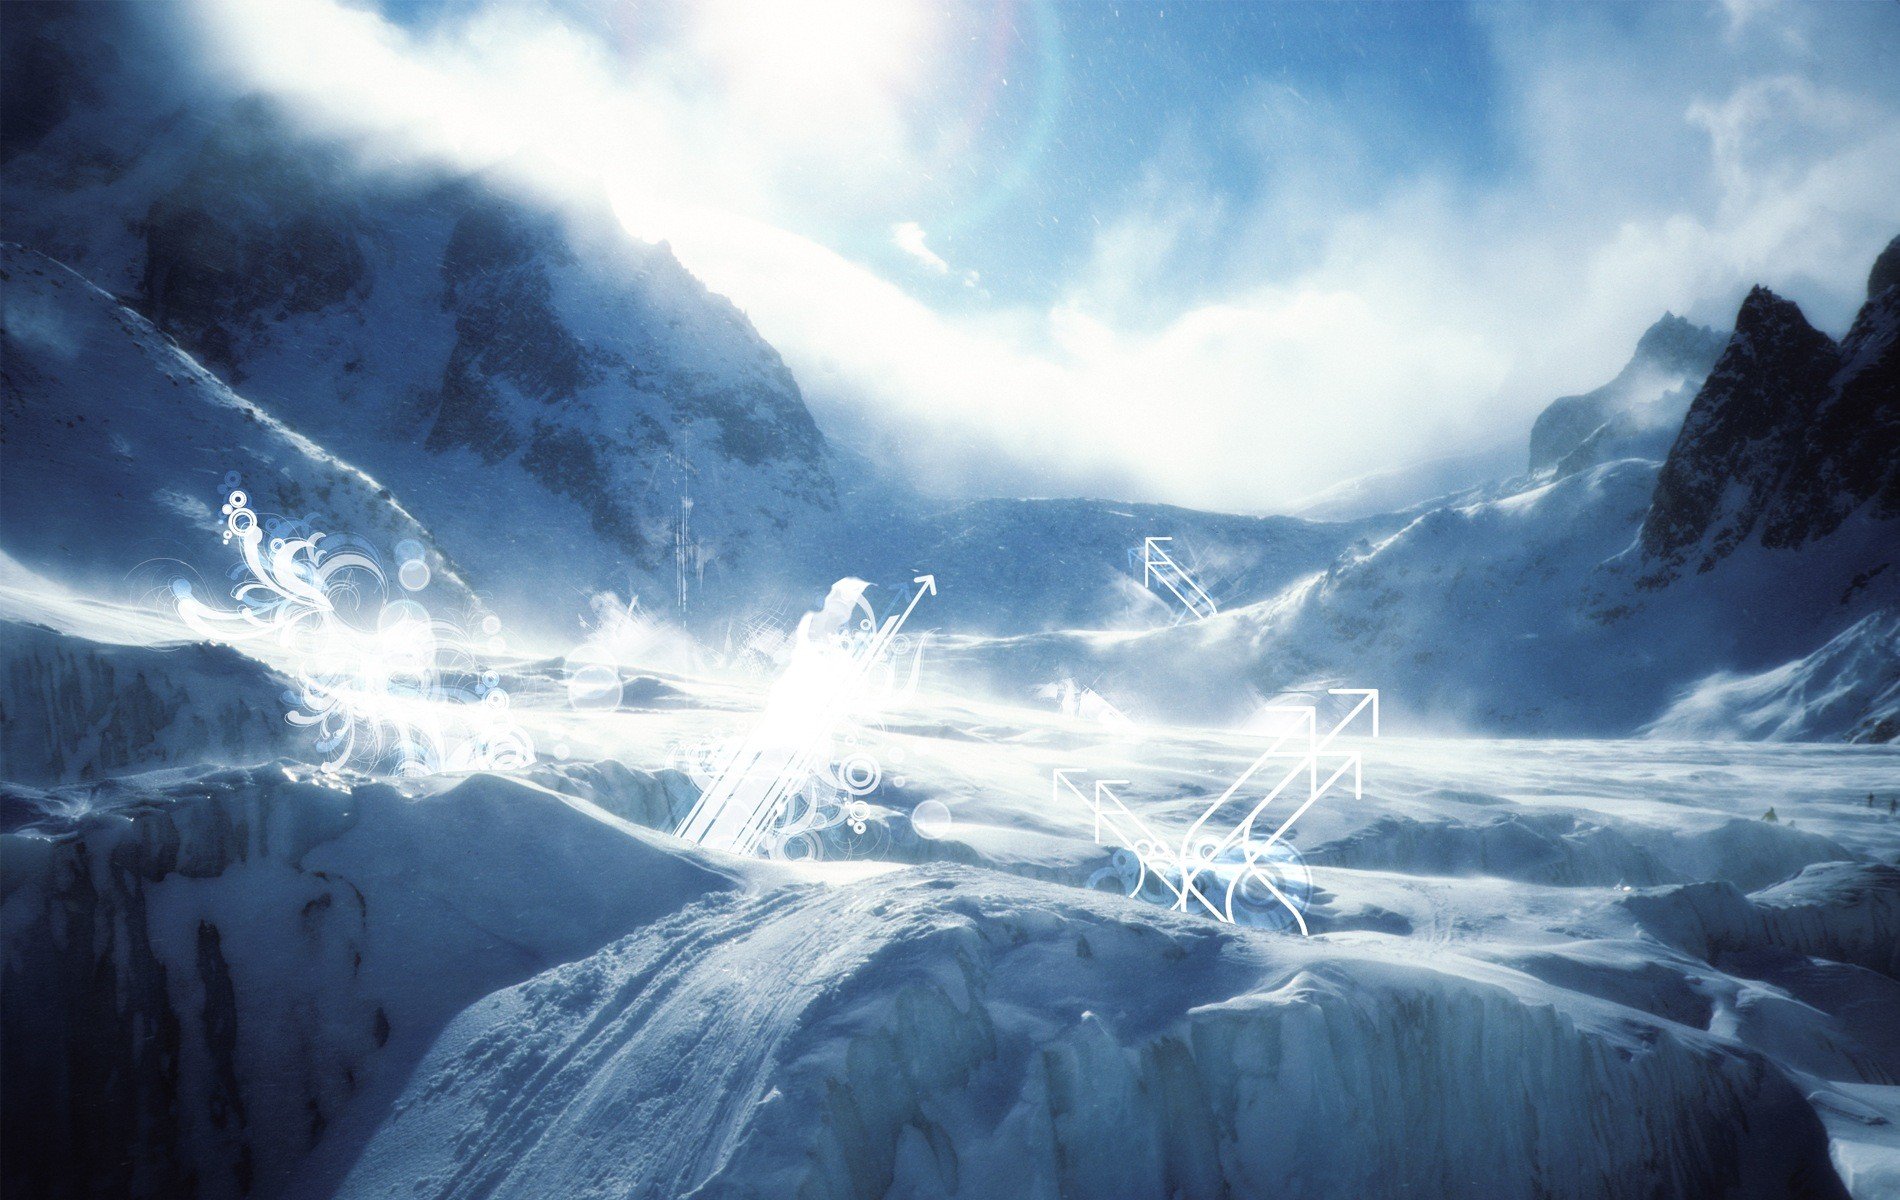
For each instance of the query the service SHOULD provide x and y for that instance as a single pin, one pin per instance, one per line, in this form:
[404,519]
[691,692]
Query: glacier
[1540,968]
[1615,912]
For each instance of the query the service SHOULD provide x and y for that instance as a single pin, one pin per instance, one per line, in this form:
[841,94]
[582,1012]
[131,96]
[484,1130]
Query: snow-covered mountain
[1636,414]
[549,393]
[1585,598]
[1660,966]
[564,408]
[120,450]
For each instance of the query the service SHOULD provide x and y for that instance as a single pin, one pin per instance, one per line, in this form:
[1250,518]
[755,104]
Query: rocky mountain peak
[1886,270]
[1679,343]
[1671,359]
[1774,326]
[1789,436]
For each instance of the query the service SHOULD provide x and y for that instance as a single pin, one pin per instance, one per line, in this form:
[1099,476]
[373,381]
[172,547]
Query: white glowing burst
[799,772]
[383,684]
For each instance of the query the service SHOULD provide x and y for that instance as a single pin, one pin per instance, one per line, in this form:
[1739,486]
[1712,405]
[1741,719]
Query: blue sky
[1145,79]
[1222,254]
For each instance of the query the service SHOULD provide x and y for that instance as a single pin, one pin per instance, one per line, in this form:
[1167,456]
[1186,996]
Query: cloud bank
[1206,349]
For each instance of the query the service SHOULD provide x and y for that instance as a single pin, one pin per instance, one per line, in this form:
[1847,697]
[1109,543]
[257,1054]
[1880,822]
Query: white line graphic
[1157,567]
[1210,870]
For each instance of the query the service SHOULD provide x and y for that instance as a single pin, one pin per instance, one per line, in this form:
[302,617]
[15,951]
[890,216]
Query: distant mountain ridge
[1671,360]
[1600,597]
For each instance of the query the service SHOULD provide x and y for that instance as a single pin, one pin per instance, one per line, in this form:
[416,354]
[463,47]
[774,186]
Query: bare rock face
[1741,434]
[1790,435]
[1886,270]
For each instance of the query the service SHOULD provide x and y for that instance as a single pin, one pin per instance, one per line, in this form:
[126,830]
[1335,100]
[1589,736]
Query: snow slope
[943,1032]
[1395,489]
[1849,688]
[203,976]
[120,449]
[503,986]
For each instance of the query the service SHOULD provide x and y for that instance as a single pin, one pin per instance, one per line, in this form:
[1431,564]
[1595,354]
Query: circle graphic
[931,819]
[593,687]
[413,574]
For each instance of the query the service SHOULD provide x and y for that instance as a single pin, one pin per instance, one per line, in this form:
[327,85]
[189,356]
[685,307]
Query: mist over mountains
[558,410]
[1629,926]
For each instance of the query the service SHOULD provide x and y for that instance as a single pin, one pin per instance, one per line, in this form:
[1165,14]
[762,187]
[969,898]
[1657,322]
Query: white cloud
[1207,353]
[909,237]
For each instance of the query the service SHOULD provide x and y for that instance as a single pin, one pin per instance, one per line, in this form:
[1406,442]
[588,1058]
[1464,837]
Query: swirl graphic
[382,684]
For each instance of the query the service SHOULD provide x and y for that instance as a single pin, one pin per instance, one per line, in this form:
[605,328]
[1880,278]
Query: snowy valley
[1610,908]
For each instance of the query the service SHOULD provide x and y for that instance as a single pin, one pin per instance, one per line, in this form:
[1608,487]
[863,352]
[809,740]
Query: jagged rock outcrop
[1850,454]
[1789,435]
[1742,434]
[1885,272]
[1648,395]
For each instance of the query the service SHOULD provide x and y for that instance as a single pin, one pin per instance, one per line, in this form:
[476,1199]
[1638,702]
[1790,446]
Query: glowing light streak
[826,678]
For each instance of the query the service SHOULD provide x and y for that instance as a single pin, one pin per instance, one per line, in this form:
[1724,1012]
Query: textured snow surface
[1848,688]
[938,1032]
[272,949]
[1539,969]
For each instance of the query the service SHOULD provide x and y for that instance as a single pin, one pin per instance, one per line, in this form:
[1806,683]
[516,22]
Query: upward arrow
[929,589]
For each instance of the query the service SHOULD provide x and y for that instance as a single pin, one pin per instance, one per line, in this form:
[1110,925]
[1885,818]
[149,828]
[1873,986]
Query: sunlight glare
[816,53]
